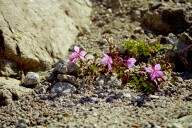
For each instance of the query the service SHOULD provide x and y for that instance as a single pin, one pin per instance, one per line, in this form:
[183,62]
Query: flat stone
[67,78]
[63,88]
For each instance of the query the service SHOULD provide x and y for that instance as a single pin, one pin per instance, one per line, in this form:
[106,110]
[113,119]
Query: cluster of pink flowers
[108,60]
[155,72]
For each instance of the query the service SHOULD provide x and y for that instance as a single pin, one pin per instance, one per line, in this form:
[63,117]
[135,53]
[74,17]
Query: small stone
[31,78]
[127,95]
[102,95]
[110,99]
[100,82]
[65,67]
[92,99]
[109,10]
[156,5]
[119,95]
[63,88]
[154,97]
[138,30]
[136,15]
[67,78]
[95,114]
[172,39]
[179,79]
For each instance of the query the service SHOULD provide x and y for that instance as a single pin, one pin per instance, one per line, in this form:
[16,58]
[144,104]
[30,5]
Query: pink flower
[130,62]
[77,54]
[154,71]
[107,60]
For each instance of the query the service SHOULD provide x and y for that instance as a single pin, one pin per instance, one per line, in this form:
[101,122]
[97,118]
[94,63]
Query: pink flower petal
[149,69]
[77,49]
[130,62]
[104,60]
[153,76]
[109,66]
[159,74]
[83,53]
[157,67]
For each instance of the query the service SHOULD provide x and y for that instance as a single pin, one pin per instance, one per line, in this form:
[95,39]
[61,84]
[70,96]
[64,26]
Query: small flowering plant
[143,76]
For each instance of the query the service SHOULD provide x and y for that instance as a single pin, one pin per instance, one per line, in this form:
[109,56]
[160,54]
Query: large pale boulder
[34,34]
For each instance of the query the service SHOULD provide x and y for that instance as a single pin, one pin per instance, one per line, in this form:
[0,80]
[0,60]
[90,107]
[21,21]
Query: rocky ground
[60,101]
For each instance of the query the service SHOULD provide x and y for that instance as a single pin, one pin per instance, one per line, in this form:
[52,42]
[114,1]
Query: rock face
[35,34]
[10,90]
[167,20]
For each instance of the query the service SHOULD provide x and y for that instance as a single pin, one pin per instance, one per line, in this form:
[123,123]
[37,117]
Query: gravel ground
[113,108]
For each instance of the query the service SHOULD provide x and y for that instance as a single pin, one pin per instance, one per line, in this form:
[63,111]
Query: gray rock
[180,51]
[167,19]
[185,38]
[185,57]
[63,88]
[31,78]
[67,78]
[65,67]
[35,34]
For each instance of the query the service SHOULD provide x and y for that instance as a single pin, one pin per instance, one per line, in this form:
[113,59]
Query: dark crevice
[2,43]
[18,50]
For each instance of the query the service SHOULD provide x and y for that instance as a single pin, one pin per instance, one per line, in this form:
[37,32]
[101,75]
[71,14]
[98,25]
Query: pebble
[127,95]
[31,78]
[110,99]
[154,97]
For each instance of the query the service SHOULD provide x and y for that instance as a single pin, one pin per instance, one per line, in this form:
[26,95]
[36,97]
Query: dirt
[171,108]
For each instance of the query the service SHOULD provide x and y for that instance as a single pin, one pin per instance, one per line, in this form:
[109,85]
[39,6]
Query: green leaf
[133,83]
[144,84]
[95,68]
[135,78]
